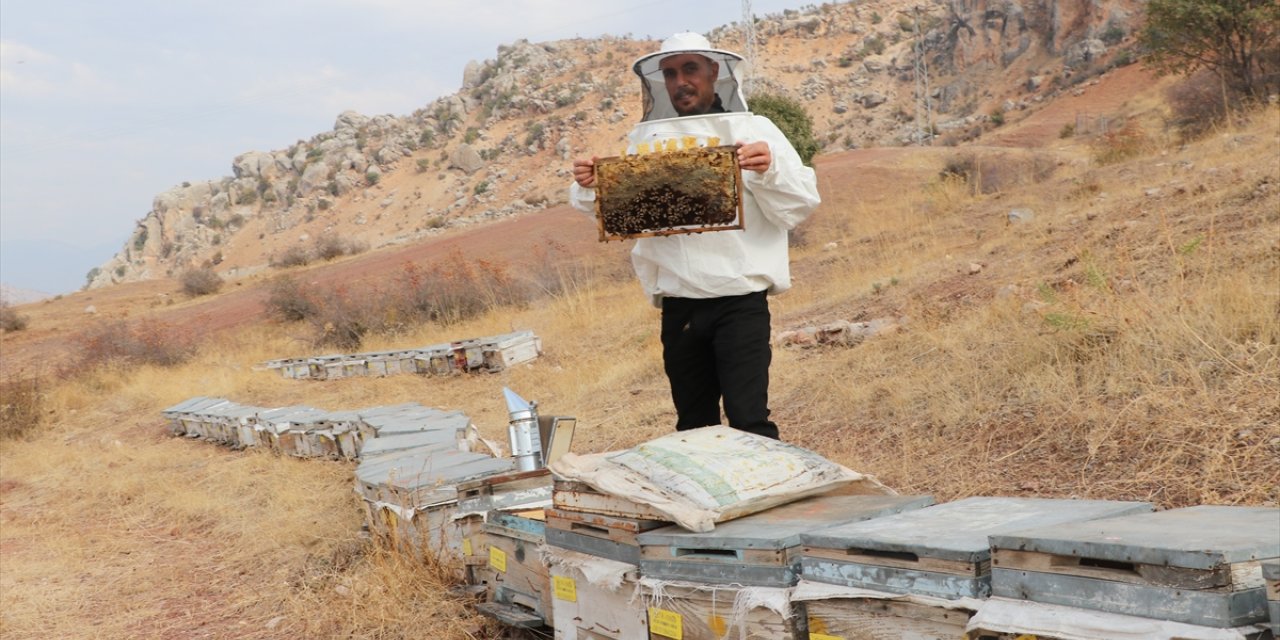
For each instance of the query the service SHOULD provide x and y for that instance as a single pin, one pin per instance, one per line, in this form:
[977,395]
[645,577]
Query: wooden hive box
[845,613]
[501,352]
[690,190]
[1271,573]
[519,592]
[762,549]
[505,491]
[595,598]
[381,363]
[598,534]
[1199,565]
[581,497]
[687,611]
[939,551]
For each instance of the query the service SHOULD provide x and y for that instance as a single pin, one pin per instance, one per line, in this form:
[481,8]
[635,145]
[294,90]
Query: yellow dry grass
[1123,344]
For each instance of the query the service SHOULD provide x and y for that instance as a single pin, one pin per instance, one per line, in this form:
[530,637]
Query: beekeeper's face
[691,82]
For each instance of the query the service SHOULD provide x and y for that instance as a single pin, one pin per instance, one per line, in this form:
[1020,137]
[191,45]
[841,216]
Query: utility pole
[924,99]
[749,43]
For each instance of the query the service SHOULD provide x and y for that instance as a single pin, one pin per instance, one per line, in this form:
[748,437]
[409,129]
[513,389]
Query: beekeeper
[712,287]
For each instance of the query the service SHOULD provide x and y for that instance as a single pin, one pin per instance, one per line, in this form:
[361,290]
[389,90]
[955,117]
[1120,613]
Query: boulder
[471,74]
[350,120]
[1084,52]
[253,164]
[873,100]
[466,158]
[316,176]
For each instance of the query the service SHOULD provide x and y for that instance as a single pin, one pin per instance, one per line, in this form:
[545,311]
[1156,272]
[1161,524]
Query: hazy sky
[104,105]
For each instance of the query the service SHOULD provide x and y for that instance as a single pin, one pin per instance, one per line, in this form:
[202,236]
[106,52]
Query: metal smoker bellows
[526,441]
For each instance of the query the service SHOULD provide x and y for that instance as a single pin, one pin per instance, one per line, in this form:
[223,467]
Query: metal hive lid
[959,530]
[1200,537]
[406,441]
[781,527]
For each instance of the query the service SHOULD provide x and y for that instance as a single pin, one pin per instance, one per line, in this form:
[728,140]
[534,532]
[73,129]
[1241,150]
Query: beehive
[598,534]
[689,190]
[1199,565]
[844,613]
[519,592]
[594,598]
[690,611]
[762,549]
[939,551]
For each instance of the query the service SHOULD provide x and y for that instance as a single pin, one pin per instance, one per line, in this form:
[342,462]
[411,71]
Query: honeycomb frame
[691,190]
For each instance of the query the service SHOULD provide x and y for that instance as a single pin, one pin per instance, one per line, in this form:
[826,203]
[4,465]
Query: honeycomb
[668,191]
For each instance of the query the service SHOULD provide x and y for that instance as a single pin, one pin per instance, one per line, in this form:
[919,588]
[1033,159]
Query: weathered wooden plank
[1205,608]
[874,619]
[577,496]
[1215,579]
[894,579]
[901,560]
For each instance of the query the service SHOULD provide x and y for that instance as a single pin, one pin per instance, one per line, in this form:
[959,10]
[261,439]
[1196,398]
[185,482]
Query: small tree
[1237,39]
[791,118]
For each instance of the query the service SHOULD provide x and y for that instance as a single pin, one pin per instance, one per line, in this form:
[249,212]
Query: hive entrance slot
[711,553]
[905,556]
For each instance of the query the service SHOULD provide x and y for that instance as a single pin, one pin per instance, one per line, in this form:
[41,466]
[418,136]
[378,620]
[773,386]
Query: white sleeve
[788,191]
[582,198]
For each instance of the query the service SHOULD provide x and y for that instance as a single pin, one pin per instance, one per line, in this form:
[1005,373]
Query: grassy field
[1121,343]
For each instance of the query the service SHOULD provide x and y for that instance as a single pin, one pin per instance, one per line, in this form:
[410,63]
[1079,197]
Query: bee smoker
[526,441]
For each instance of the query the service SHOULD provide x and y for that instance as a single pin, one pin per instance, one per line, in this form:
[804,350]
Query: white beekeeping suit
[719,263]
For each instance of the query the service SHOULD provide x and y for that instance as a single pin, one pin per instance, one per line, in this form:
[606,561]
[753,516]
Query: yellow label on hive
[498,559]
[673,144]
[1026,636]
[667,624]
[566,589]
[690,142]
[713,141]
[642,148]
[823,636]
[466,546]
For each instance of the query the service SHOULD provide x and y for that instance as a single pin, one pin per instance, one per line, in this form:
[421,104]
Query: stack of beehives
[307,432]
[595,564]
[487,354]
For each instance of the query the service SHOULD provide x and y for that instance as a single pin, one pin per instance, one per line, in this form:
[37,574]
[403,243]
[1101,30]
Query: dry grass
[1119,345]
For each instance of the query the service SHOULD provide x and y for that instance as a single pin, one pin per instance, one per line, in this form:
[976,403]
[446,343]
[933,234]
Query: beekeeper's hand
[584,172]
[754,156]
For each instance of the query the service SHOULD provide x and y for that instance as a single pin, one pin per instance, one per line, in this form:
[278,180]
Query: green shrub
[481,187]
[791,118]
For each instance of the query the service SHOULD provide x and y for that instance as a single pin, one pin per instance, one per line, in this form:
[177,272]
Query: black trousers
[717,348]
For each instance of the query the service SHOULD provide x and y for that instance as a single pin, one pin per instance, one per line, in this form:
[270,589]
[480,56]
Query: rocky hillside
[501,144]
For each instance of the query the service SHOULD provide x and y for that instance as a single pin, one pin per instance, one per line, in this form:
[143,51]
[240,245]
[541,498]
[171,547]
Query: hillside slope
[501,144]
[1095,318]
